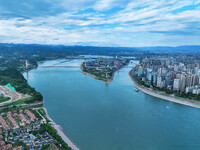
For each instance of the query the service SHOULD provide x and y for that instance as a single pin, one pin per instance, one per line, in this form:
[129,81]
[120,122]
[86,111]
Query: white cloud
[138,23]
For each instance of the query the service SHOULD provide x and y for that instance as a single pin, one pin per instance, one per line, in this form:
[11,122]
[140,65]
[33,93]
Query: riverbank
[58,128]
[61,132]
[95,77]
[187,102]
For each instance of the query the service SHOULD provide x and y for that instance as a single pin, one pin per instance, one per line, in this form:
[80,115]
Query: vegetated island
[160,93]
[103,69]
[25,122]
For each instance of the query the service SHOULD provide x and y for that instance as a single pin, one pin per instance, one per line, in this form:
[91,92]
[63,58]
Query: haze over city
[124,23]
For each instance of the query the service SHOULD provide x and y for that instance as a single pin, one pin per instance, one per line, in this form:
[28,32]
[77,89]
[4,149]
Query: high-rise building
[176,85]
[155,79]
[168,79]
[198,73]
[182,84]
[160,82]
[176,68]
[189,89]
[140,71]
[195,79]
[149,74]
[192,79]
[159,71]
[196,91]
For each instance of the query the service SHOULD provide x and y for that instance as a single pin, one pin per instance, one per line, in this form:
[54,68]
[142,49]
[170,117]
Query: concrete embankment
[174,99]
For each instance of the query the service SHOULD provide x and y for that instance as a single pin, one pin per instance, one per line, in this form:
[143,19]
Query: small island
[103,68]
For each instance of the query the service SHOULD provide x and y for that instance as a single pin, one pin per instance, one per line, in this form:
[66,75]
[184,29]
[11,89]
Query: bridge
[71,67]
[127,67]
[58,66]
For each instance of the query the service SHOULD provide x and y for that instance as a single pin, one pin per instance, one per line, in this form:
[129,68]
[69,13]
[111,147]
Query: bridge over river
[58,66]
[70,67]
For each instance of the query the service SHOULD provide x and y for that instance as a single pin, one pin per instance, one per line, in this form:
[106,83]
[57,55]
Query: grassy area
[40,111]
[36,114]
[16,79]
[46,147]
[101,75]
[60,143]
[43,113]
[19,143]
[20,102]
[4,99]
[18,108]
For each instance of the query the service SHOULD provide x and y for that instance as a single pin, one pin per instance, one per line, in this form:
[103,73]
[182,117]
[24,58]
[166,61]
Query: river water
[99,116]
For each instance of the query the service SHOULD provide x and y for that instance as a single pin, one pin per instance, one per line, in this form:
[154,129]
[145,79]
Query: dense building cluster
[22,127]
[180,73]
[104,63]
[103,68]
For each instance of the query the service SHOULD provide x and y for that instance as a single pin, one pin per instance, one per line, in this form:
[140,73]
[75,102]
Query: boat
[136,89]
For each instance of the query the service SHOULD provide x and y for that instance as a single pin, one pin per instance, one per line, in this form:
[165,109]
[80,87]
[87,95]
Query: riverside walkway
[175,99]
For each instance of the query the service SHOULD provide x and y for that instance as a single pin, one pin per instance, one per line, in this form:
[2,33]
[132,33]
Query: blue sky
[131,23]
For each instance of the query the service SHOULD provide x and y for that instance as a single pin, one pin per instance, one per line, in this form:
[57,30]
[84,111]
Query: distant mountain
[187,48]
[66,48]
[95,49]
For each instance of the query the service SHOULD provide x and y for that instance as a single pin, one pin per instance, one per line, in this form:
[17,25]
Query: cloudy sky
[130,23]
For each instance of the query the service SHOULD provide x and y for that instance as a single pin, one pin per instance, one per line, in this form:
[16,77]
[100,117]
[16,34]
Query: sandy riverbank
[174,99]
[61,132]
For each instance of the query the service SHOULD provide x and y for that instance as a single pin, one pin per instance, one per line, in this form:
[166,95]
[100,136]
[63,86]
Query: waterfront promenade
[163,96]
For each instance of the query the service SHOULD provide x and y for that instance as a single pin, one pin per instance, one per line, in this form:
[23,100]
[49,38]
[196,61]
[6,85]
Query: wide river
[99,116]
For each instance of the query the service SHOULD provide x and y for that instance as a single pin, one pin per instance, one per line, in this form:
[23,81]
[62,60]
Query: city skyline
[101,23]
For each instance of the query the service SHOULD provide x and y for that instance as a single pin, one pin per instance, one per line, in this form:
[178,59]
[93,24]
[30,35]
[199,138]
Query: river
[99,116]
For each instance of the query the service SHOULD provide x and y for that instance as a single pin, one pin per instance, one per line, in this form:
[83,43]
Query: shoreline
[187,102]
[60,132]
[57,127]
[93,76]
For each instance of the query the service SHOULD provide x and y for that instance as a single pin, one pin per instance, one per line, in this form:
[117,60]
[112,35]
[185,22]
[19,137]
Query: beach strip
[61,133]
